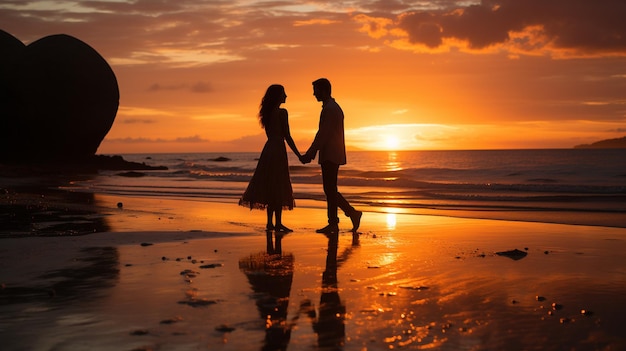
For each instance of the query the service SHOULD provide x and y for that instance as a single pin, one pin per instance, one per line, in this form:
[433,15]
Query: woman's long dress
[270,185]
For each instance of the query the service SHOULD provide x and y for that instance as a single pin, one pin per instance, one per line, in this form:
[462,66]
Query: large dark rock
[10,49]
[11,46]
[58,101]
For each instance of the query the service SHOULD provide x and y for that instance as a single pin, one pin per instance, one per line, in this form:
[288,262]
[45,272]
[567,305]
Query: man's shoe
[356,220]
[282,229]
[329,229]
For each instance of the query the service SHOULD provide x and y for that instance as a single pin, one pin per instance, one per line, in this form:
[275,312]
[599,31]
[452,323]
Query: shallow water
[576,186]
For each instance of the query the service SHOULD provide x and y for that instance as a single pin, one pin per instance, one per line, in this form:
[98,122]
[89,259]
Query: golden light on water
[391,221]
[392,163]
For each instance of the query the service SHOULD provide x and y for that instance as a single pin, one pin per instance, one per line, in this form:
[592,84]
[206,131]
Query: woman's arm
[284,119]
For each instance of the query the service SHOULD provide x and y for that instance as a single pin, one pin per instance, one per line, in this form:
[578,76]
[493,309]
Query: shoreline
[43,209]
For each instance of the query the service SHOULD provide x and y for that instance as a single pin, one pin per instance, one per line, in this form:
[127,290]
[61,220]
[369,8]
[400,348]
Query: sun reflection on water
[391,221]
[393,164]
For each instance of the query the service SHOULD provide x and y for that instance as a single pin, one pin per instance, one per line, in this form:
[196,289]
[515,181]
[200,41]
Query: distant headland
[617,143]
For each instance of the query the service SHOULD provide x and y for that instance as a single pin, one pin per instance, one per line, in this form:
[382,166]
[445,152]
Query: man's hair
[322,84]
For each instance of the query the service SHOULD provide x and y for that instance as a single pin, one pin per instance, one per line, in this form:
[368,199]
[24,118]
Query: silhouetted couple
[270,186]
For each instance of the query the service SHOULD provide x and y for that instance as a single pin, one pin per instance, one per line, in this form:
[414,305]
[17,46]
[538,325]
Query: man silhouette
[330,143]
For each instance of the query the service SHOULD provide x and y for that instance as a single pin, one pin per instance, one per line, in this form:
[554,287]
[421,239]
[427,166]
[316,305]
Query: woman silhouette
[270,186]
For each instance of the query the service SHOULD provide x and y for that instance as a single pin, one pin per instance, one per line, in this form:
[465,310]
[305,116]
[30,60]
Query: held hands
[304,158]
[307,157]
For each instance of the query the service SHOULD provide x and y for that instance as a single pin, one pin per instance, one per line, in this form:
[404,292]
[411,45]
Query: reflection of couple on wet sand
[270,275]
[270,186]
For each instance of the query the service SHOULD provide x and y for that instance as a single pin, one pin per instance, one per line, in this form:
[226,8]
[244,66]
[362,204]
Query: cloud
[400,112]
[617,130]
[189,139]
[183,34]
[410,136]
[255,140]
[313,21]
[199,87]
[195,33]
[137,121]
[202,87]
[561,28]
[195,143]
[158,87]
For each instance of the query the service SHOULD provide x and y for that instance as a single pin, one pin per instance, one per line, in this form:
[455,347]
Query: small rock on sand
[198,302]
[211,265]
[172,320]
[513,254]
[224,328]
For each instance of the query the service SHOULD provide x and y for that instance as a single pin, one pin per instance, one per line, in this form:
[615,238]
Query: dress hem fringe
[259,206]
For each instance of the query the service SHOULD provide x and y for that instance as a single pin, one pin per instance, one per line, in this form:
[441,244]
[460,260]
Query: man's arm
[324,133]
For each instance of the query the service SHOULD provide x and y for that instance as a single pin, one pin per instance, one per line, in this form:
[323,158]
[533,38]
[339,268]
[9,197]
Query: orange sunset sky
[416,75]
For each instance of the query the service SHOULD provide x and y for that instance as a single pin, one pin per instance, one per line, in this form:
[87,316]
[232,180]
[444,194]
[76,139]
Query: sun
[392,142]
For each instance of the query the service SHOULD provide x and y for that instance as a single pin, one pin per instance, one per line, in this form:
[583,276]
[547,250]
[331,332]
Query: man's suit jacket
[329,140]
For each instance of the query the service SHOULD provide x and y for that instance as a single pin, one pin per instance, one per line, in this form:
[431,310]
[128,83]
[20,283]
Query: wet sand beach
[154,274]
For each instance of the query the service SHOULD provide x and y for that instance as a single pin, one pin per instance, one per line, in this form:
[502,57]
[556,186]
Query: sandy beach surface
[108,272]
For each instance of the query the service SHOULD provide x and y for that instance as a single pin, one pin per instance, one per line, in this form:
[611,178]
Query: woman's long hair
[272,99]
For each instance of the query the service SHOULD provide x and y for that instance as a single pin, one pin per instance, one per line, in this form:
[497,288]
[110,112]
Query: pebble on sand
[212,265]
[172,320]
[224,328]
[198,302]
[189,273]
[513,254]
[586,312]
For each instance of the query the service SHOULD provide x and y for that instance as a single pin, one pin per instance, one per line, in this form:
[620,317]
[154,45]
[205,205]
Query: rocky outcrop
[58,100]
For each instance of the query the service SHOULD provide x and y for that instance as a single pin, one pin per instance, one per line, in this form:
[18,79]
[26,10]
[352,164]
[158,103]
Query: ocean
[584,183]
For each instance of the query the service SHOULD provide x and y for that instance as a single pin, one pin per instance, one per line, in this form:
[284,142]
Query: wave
[529,187]
[555,181]
[368,190]
[432,179]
